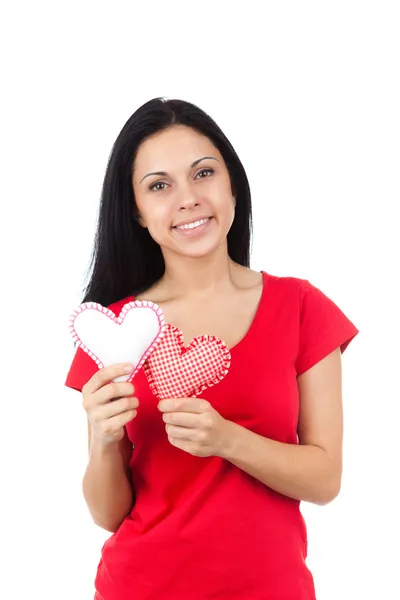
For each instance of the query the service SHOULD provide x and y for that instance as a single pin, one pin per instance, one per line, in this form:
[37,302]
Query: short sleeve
[81,370]
[323,328]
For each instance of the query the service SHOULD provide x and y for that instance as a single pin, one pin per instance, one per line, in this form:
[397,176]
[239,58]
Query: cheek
[227,205]
[153,213]
[157,220]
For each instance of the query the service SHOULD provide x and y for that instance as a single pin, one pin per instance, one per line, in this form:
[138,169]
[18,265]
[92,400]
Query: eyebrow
[196,162]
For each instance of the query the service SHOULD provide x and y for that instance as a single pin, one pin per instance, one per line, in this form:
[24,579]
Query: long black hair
[125,259]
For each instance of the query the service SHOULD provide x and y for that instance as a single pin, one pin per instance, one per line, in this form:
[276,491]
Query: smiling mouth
[193,225]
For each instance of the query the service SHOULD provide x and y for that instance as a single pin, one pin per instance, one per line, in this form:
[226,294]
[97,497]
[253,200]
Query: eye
[153,185]
[205,171]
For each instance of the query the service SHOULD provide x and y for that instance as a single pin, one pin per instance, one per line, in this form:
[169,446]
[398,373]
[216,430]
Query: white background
[308,94]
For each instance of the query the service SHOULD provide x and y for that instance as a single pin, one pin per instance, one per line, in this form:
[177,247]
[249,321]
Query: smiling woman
[207,504]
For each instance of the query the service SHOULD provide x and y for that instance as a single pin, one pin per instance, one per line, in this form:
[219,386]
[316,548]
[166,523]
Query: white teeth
[193,225]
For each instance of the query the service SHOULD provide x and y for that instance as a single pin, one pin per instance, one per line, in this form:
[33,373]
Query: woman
[203,494]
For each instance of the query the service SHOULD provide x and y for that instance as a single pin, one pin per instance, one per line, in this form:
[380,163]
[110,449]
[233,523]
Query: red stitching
[159,371]
[119,320]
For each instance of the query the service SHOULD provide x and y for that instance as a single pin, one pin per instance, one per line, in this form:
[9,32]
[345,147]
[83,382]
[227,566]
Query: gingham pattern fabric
[176,371]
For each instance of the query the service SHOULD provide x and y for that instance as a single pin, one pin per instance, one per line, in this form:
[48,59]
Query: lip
[193,233]
[189,221]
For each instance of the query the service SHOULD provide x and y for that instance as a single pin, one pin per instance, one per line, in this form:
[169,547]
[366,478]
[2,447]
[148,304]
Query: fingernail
[128,368]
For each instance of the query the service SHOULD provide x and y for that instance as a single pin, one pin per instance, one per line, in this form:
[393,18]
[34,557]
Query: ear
[234,195]
[139,219]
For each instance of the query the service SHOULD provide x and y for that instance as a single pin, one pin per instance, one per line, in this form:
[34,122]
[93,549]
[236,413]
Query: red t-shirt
[202,528]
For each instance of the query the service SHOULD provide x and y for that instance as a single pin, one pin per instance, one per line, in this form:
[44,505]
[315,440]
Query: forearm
[298,471]
[106,487]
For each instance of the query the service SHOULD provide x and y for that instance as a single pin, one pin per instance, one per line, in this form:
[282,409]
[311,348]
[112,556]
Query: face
[189,208]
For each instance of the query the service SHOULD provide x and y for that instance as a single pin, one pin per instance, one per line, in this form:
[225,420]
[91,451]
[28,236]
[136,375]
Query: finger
[107,393]
[112,425]
[183,433]
[191,405]
[105,375]
[182,419]
[114,391]
[107,411]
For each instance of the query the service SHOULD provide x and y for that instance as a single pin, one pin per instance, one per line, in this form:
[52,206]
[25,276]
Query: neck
[186,276]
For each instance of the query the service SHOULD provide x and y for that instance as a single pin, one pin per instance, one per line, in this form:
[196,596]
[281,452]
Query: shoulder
[282,287]
[285,284]
[245,278]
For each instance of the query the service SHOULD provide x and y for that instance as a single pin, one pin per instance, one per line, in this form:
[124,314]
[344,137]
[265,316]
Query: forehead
[173,147]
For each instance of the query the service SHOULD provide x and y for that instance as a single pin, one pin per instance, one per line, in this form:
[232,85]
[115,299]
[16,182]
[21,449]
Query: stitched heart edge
[226,356]
[119,320]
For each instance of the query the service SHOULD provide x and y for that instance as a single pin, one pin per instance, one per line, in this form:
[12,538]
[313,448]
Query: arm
[310,471]
[106,484]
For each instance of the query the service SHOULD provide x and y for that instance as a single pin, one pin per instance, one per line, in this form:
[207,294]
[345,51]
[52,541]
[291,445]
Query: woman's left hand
[195,427]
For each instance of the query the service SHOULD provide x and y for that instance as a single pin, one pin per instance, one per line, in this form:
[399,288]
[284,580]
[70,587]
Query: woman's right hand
[109,405]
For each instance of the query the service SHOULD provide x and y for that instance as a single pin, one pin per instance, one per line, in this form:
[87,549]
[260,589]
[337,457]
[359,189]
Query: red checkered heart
[174,371]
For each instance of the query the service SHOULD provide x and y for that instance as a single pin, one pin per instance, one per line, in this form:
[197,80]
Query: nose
[189,200]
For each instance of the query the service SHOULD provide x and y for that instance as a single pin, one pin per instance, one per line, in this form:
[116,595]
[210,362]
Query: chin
[200,250]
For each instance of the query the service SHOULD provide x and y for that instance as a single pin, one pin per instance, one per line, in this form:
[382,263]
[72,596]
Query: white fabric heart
[108,339]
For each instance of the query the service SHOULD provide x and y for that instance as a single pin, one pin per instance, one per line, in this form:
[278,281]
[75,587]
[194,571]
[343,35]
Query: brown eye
[205,171]
[153,185]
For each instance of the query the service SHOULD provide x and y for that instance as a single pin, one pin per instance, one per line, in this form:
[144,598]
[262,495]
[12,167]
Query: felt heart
[108,339]
[176,371]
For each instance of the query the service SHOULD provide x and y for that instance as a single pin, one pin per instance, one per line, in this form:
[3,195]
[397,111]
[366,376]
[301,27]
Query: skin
[198,269]
[200,273]
[106,485]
